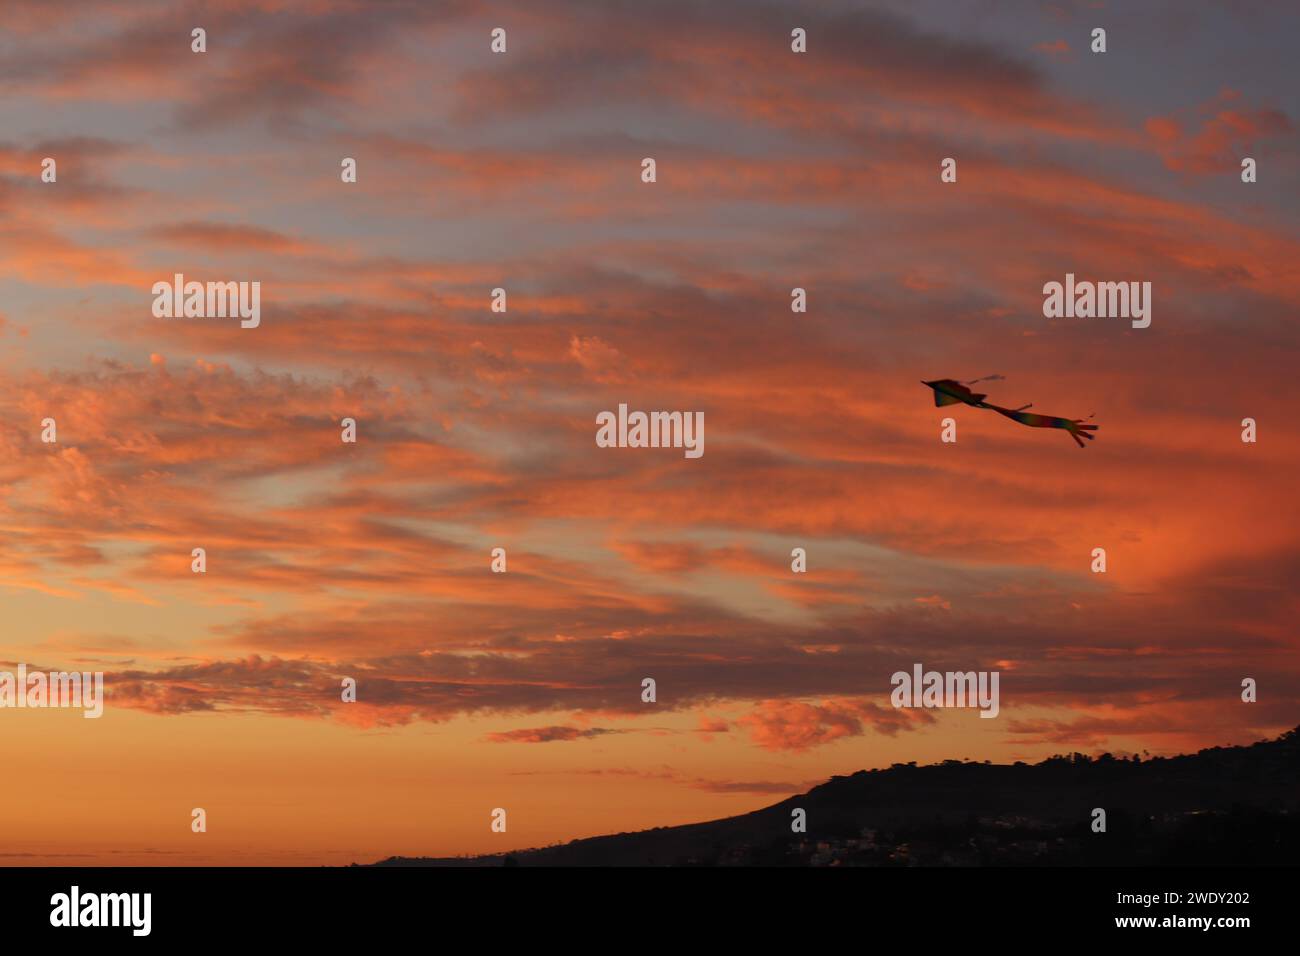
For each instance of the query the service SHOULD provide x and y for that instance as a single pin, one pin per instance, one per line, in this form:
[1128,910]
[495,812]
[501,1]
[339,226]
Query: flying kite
[948,391]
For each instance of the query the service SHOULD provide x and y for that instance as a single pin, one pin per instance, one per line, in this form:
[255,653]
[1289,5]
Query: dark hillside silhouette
[1224,805]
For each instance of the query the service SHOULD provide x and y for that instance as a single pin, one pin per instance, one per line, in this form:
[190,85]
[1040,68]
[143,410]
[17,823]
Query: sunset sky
[476,429]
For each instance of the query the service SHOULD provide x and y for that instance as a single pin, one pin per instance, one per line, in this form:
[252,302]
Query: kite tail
[1081,431]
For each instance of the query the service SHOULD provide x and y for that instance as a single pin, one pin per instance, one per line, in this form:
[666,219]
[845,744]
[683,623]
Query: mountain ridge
[1220,804]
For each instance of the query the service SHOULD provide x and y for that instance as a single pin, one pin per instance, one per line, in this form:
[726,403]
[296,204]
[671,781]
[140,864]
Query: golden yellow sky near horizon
[293,792]
[282,791]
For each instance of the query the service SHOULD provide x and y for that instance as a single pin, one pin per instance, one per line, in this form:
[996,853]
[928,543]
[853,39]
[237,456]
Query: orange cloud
[799,726]
[1227,133]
